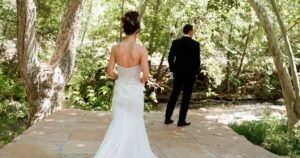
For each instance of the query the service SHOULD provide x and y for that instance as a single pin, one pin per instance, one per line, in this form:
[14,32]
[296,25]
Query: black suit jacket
[184,56]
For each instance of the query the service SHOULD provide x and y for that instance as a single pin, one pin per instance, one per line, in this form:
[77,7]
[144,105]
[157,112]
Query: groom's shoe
[168,121]
[183,123]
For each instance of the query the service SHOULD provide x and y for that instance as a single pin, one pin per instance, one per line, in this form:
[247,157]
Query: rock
[203,109]
[279,101]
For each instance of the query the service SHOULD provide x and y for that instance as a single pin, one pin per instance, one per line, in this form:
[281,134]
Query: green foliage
[148,107]
[268,88]
[222,4]
[105,26]
[49,14]
[90,89]
[254,131]
[13,118]
[271,133]
[221,27]
[150,99]
[8,20]
[13,107]
[11,86]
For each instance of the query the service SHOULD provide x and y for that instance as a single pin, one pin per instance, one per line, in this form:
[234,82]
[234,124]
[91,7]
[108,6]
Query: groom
[184,62]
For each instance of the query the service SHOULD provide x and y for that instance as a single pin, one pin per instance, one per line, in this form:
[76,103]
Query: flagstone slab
[73,133]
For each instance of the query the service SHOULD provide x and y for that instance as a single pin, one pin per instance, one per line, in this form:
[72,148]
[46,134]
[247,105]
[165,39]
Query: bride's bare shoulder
[141,48]
[116,47]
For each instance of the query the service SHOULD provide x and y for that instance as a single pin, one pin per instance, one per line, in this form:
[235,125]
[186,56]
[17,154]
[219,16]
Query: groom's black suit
[184,62]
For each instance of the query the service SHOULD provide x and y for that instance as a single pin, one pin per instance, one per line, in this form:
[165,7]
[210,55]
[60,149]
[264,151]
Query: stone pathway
[78,134]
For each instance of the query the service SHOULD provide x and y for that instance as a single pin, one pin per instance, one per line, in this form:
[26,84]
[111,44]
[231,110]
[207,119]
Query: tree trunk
[228,88]
[158,75]
[244,52]
[154,25]
[45,82]
[122,12]
[288,46]
[284,76]
[86,25]
[143,9]
[153,31]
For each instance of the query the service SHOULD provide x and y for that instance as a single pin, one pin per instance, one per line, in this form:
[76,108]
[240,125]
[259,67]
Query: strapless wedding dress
[126,136]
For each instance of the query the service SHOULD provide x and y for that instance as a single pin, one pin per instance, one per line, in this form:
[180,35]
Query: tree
[288,46]
[45,82]
[87,22]
[143,9]
[153,32]
[122,12]
[244,51]
[7,20]
[290,91]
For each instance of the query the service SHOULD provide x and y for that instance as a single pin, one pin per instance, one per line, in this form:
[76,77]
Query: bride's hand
[143,80]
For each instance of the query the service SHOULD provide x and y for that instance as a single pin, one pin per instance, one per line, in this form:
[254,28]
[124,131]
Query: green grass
[271,134]
[255,131]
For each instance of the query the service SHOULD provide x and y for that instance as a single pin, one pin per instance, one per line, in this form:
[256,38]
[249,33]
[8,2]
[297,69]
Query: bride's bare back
[128,54]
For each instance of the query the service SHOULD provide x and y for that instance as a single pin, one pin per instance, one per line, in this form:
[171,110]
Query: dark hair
[187,28]
[131,22]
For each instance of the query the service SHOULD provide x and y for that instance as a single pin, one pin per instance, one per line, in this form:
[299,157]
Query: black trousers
[185,82]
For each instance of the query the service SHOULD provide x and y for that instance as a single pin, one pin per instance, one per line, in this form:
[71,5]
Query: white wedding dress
[126,136]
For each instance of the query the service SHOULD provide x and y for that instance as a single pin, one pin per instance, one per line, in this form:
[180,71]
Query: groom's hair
[187,28]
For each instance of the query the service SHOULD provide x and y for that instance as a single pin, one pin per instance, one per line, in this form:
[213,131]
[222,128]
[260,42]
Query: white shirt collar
[185,35]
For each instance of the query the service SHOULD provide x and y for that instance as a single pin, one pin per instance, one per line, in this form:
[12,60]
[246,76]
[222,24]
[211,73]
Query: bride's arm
[111,65]
[145,66]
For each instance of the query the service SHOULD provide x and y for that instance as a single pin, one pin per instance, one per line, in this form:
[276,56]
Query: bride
[126,136]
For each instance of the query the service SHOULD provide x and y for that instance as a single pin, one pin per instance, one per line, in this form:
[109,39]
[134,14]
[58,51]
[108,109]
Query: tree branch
[244,51]
[290,28]
[26,39]
[64,55]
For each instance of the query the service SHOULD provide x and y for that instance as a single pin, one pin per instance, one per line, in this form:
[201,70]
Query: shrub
[13,118]
[13,107]
[90,88]
[272,134]
[267,88]
[254,131]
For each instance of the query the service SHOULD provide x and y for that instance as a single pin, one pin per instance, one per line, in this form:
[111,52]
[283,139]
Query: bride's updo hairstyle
[131,22]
